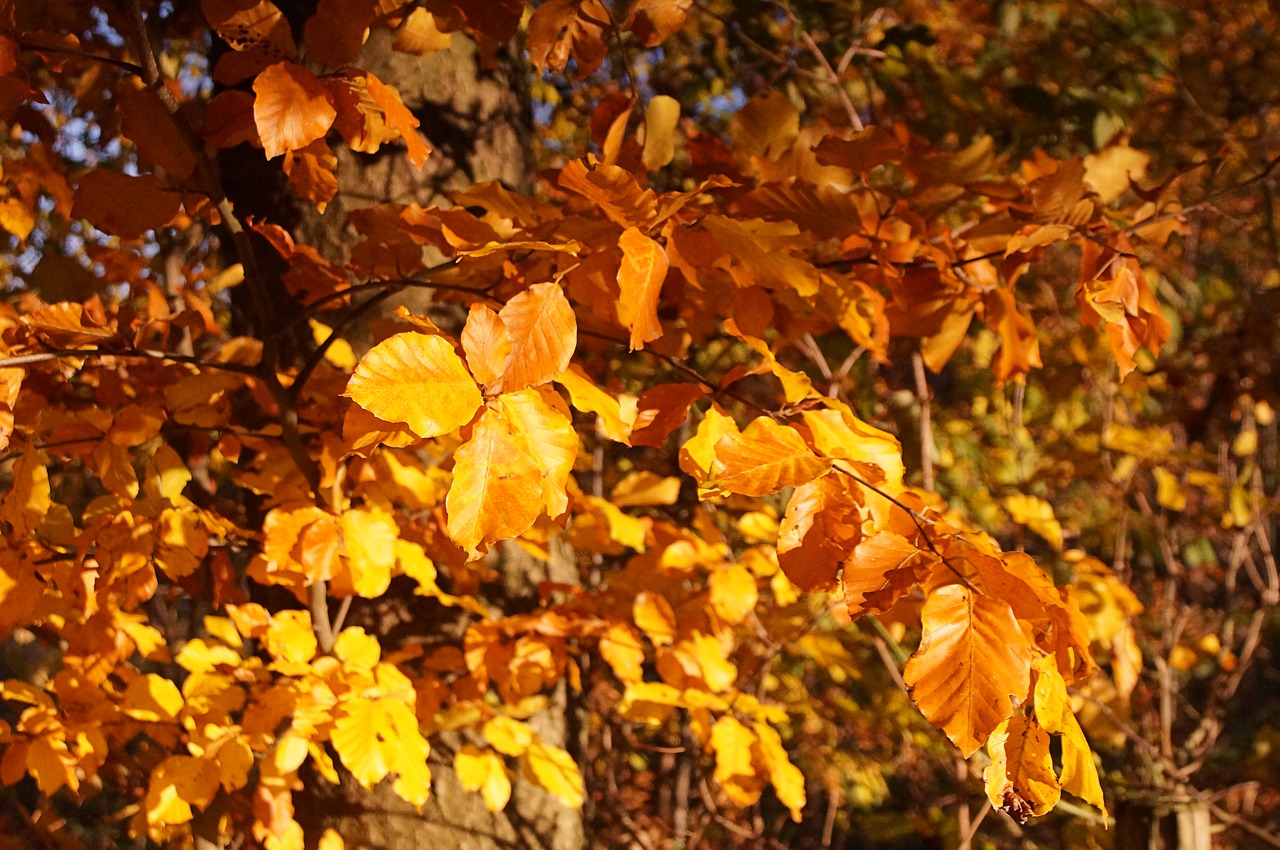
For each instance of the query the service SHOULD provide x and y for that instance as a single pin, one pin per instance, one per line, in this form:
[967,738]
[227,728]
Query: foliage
[692,360]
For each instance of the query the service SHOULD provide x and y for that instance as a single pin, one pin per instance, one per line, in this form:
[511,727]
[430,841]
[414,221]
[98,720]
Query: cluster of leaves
[191,514]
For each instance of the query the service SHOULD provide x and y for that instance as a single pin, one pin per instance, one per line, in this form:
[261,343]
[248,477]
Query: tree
[685,365]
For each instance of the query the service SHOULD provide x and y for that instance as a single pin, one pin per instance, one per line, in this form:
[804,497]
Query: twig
[926,426]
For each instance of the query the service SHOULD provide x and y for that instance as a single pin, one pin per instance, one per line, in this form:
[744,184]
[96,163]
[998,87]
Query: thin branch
[123,65]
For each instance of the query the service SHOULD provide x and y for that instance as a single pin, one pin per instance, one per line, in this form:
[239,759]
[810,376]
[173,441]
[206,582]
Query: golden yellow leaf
[1020,779]
[621,648]
[543,332]
[330,839]
[653,614]
[541,424]
[369,536]
[649,702]
[972,662]
[483,771]
[732,592]
[508,736]
[873,454]
[555,770]
[497,489]
[698,453]
[640,277]
[615,419]
[419,35]
[763,459]
[1169,491]
[735,771]
[417,379]
[1037,515]
[644,488]
[290,638]
[787,779]
[357,648]
[1079,773]
[718,672]
[363,741]
[152,698]
[660,119]
[291,108]
[177,784]
[27,501]
[197,656]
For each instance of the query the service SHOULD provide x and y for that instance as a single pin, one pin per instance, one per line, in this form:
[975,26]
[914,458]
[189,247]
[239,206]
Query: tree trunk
[478,124]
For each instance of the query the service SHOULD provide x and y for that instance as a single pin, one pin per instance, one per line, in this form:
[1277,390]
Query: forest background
[641,424]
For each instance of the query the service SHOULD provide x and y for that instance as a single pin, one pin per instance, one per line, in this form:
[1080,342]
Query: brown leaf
[124,205]
[652,21]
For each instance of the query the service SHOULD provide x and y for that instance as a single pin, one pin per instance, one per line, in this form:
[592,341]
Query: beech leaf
[417,379]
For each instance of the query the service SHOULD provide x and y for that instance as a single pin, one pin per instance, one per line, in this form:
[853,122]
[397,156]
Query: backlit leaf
[545,434]
[483,771]
[486,343]
[498,488]
[543,333]
[972,663]
[643,269]
[417,379]
[1020,778]
[763,459]
[555,770]
[291,108]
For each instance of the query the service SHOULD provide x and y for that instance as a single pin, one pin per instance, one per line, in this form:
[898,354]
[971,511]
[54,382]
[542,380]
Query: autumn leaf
[179,784]
[124,205]
[822,524]
[763,459]
[972,663]
[1020,779]
[483,771]
[417,379]
[543,333]
[487,344]
[644,268]
[882,569]
[555,770]
[542,428]
[497,489]
[653,21]
[399,118]
[291,108]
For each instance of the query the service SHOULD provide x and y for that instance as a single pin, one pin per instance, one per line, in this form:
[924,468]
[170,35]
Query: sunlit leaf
[417,379]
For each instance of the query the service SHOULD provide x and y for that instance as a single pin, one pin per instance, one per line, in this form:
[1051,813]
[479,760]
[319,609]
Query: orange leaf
[417,379]
[399,118]
[881,571]
[251,23]
[543,333]
[497,489]
[558,27]
[486,343]
[124,205]
[291,108]
[312,174]
[972,662]
[652,21]
[337,30]
[822,525]
[763,459]
[644,268]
